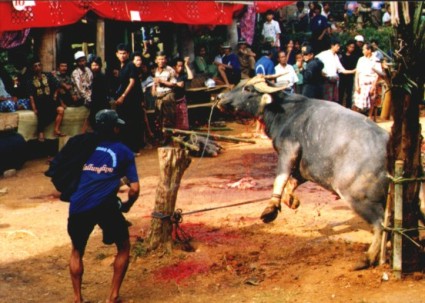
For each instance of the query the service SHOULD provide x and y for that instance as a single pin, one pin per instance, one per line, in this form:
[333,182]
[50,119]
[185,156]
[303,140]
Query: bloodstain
[199,232]
[180,271]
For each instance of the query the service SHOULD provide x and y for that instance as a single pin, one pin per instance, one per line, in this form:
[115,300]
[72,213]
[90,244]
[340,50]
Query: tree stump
[172,164]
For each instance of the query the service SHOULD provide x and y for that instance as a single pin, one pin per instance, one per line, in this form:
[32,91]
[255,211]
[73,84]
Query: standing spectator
[246,59]
[271,29]
[99,90]
[365,82]
[346,81]
[163,89]
[320,30]
[301,21]
[313,79]
[358,51]
[229,69]
[95,202]
[67,93]
[376,13]
[265,65]
[386,18]
[332,66]
[82,78]
[288,76]
[351,12]
[376,51]
[291,52]
[128,100]
[43,90]
[183,74]
[326,9]
[299,67]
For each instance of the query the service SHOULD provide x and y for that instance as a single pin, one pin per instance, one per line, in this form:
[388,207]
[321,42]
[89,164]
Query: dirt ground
[306,255]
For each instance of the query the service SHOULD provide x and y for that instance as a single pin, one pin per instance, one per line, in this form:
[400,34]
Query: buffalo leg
[371,256]
[288,196]
[285,164]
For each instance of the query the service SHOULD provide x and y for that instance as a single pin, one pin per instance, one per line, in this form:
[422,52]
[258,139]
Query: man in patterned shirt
[82,78]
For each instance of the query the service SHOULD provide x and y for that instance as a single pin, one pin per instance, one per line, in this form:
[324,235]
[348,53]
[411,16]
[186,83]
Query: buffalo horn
[260,85]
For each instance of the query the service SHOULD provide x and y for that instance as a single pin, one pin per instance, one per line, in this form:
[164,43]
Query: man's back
[101,174]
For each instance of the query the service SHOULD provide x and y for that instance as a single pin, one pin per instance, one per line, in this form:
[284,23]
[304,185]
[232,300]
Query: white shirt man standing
[332,66]
[271,28]
[288,76]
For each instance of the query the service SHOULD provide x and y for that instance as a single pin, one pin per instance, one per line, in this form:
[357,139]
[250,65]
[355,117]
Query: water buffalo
[323,142]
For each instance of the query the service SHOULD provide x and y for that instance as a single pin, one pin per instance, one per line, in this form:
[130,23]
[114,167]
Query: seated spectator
[12,103]
[246,59]
[67,94]
[202,63]
[43,89]
[229,69]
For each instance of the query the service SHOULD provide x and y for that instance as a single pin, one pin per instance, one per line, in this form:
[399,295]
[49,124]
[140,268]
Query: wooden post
[100,39]
[47,51]
[172,164]
[398,221]
[386,103]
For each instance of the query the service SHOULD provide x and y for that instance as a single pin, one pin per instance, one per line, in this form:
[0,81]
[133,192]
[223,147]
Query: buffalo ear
[266,99]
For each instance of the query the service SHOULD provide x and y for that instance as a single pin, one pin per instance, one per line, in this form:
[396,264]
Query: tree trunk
[405,142]
[172,164]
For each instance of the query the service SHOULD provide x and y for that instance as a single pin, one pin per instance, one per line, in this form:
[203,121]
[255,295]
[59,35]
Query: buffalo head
[248,99]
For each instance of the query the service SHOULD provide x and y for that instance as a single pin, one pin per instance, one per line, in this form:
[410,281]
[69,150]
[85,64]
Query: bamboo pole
[387,216]
[185,144]
[398,221]
[212,136]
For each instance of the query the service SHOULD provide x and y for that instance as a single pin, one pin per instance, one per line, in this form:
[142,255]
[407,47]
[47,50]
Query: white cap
[78,55]
[359,38]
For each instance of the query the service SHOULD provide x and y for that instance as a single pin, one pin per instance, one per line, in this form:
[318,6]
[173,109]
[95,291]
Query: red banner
[17,15]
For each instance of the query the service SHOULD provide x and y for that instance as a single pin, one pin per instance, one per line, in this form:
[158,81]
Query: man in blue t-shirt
[95,201]
[265,66]
[229,68]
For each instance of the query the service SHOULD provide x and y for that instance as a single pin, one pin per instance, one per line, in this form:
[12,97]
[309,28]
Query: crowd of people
[49,94]
[320,67]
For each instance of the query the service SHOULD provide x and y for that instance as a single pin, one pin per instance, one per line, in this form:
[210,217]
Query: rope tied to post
[403,232]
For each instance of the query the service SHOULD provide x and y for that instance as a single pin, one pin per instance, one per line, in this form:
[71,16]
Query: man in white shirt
[332,66]
[288,76]
[271,28]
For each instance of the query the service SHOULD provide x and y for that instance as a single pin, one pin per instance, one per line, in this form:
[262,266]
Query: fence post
[398,221]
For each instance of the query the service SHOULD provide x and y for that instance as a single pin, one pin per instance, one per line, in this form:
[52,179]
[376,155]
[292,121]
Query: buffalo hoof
[292,202]
[362,264]
[270,214]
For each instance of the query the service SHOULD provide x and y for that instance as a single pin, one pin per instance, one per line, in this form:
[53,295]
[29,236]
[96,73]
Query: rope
[176,218]
[400,180]
[403,232]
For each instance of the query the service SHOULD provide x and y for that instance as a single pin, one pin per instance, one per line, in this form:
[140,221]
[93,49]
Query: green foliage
[4,62]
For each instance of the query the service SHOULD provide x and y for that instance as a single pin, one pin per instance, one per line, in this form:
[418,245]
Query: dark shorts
[108,217]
